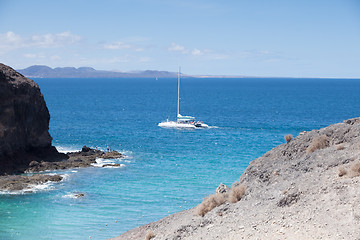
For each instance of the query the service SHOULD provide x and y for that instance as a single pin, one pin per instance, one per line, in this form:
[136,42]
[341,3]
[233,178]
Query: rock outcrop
[84,158]
[19,183]
[307,188]
[24,123]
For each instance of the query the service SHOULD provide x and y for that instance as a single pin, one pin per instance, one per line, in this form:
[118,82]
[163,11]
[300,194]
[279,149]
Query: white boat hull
[172,124]
[201,125]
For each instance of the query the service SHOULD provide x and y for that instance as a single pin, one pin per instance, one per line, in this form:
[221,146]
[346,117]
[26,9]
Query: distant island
[41,71]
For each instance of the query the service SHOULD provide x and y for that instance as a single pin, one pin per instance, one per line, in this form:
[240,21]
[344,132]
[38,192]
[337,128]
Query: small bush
[210,203]
[149,235]
[236,193]
[342,172]
[355,170]
[288,138]
[319,142]
[340,147]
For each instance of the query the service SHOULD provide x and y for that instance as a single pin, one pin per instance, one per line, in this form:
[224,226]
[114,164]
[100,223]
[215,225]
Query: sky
[266,38]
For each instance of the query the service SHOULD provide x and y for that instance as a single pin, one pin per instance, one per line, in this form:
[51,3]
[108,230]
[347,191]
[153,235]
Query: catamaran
[182,121]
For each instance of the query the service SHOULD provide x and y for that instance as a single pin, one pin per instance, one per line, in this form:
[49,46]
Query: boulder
[85,149]
[222,188]
[79,195]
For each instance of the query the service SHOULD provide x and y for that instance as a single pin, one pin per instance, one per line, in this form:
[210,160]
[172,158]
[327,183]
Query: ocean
[166,170]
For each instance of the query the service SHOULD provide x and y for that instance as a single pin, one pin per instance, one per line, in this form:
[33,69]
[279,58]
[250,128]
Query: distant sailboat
[182,121]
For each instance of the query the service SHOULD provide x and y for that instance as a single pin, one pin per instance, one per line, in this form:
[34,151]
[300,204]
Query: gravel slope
[308,188]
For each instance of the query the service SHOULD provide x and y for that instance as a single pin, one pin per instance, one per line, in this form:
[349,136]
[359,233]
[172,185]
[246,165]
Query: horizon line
[191,75]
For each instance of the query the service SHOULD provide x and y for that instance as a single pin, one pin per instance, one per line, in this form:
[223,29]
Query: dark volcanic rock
[79,195]
[83,158]
[18,182]
[24,123]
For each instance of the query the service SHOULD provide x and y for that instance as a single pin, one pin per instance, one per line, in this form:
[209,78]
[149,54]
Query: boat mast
[178,100]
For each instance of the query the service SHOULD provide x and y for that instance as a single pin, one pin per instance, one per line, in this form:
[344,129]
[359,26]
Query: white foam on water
[67,149]
[64,176]
[73,195]
[118,166]
[70,195]
[126,154]
[32,188]
[100,162]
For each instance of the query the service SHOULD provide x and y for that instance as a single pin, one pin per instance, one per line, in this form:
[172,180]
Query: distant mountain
[40,71]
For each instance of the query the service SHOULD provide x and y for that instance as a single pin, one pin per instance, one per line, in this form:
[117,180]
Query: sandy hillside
[308,188]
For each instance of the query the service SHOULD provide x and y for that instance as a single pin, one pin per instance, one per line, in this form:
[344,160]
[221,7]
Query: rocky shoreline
[15,183]
[84,158]
[81,159]
[307,188]
[25,142]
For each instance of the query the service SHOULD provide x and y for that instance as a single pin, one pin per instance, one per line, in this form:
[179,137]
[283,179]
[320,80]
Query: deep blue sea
[166,170]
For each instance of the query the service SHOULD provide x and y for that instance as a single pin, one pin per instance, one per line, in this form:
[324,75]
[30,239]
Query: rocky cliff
[24,123]
[307,188]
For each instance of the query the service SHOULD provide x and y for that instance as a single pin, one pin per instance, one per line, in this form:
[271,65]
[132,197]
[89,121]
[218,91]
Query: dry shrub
[342,172]
[210,203]
[319,142]
[288,138]
[340,147]
[236,193]
[355,170]
[149,235]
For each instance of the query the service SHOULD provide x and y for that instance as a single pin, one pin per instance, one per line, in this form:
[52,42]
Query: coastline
[37,172]
[304,189]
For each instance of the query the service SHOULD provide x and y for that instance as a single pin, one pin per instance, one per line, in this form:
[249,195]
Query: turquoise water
[166,170]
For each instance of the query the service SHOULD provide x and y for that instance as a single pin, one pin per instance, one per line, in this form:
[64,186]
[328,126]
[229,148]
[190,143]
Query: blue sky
[205,37]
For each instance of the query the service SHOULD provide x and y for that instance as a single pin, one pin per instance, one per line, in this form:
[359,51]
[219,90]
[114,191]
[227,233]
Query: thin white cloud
[11,41]
[177,48]
[122,45]
[30,55]
[54,40]
[117,45]
[196,52]
[34,56]
[205,53]
[255,53]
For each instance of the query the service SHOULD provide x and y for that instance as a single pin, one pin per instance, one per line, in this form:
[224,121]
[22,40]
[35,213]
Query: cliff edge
[307,188]
[24,123]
